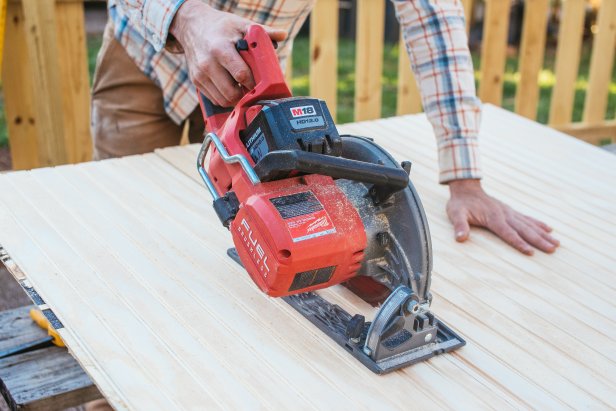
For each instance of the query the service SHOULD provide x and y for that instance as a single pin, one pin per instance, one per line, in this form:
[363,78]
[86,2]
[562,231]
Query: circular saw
[308,208]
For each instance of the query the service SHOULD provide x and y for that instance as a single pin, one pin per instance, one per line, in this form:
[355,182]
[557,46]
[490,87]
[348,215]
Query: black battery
[295,123]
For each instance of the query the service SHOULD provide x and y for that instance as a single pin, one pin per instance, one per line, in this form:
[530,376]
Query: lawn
[346,79]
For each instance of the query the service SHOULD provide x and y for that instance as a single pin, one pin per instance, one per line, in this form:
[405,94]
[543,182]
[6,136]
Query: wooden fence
[46,85]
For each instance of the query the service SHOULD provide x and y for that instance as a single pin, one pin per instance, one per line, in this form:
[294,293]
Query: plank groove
[131,257]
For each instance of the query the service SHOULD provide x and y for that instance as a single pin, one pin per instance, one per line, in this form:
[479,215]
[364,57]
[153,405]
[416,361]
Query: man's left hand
[469,206]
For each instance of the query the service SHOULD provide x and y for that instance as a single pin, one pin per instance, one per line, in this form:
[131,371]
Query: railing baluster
[567,62]
[493,51]
[324,52]
[601,64]
[369,59]
[531,57]
[409,99]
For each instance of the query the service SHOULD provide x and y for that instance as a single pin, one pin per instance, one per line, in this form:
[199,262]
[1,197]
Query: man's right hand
[208,37]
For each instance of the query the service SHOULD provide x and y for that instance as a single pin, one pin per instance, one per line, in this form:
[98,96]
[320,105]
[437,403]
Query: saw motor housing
[298,234]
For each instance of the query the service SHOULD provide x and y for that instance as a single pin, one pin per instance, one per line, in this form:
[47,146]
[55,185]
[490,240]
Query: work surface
[132,259]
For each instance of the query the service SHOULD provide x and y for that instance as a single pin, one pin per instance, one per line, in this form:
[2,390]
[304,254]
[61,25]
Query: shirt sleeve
[435,37]
[151,18]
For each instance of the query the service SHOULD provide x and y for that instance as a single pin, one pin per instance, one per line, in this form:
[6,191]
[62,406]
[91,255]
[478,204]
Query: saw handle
[258,51]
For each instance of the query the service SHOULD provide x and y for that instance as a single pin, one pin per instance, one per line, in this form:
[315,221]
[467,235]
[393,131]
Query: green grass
[346,81]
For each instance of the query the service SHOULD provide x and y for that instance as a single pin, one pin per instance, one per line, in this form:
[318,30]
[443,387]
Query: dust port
[284,254]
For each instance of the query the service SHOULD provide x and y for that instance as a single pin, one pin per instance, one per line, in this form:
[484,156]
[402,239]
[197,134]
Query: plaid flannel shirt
[433,30]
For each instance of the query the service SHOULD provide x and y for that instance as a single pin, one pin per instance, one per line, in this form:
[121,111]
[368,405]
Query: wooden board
[369,59]
[493,51]
[42,49]
[408,99]
[45,379]
[601,63]
[531,57]
[16,328]
[130,256]
[324,53]
[21,114]
[567,61]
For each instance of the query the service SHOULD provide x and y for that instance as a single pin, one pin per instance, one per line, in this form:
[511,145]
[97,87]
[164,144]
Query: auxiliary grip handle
[284,163]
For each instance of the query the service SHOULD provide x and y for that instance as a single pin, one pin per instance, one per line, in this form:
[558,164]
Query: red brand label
[309,226]
[302,111]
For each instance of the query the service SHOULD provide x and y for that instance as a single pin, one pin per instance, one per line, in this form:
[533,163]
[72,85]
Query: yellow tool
[53,337]
[42,321]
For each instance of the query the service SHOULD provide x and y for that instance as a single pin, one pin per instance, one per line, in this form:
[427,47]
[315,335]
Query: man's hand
[470,205]
[208,38]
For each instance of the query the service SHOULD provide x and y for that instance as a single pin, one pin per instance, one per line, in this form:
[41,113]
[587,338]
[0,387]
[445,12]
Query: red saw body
[293,235]
[308,208]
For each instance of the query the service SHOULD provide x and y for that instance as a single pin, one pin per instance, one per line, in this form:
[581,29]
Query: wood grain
[16,328]
[74,77]
[493,51]
[567,61]
[408,99]
[21,115]
[468,14]
[42,49]
[592,133]
[369,59]
[601,63]
[531,57]
[131,257]
[46,379]
[324,53]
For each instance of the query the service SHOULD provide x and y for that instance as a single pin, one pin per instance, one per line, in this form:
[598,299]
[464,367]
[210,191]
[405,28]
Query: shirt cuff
[458,159]
[157,18]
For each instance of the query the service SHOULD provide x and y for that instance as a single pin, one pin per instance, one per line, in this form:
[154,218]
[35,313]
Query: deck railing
[46,84]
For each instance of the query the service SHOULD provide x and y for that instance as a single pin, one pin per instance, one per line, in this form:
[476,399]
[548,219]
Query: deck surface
[131,258]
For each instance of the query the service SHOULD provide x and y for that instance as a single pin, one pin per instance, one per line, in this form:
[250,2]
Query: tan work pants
[128,116]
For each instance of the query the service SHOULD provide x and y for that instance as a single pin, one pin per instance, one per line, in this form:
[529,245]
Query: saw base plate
[332,320]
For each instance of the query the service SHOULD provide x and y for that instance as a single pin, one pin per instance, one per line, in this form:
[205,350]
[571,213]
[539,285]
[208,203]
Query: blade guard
[258,51]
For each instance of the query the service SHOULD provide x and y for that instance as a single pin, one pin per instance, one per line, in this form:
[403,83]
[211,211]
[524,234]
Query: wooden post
[567,62]
[324,52]
[17,86]
[468,14]
[409,99]
[74,77]
[3,7]
[531,57]
[369,59]
[45,71]
[601,64]
[494,51]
